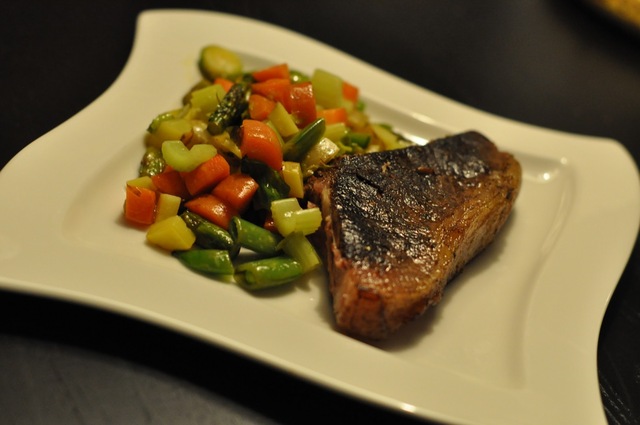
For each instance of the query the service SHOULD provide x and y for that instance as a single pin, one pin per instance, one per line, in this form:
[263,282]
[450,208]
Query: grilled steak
[398,225]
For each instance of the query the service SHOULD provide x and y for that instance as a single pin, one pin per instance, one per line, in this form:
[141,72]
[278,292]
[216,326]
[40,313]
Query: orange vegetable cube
[302,103]
[260,107]
[333,115]
[271,72]
[211,208]
[140,205]
[276,89]
[350,92]
[260,142]
[170,182]
[236,190]
[223,82]
[206,175]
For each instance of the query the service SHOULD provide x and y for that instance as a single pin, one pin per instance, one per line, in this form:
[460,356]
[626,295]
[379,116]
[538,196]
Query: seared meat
[398,225]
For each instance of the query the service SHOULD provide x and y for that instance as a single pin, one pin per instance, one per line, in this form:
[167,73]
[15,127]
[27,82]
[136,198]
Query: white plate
[515,338]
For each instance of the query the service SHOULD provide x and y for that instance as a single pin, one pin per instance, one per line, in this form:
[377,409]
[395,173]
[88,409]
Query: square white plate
[513,341]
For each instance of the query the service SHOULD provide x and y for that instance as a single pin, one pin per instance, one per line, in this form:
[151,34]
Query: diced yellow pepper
[171,234]
[144,181]
[292,175]
[168,206]
[282,121]
[389,139]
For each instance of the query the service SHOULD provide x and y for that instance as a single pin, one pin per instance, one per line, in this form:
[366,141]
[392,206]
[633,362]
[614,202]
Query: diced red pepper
[276,89]
[303,103]
[260,107]
[260,142]
[211,208]
[269,73]
[206,175]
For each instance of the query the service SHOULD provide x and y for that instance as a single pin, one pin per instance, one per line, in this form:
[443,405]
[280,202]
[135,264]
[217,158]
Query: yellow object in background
[625,11]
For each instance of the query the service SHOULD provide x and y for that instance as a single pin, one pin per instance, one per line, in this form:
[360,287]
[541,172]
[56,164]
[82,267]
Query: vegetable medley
[225,172]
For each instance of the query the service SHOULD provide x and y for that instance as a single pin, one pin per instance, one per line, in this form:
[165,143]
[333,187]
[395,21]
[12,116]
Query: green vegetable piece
[289,217]
[298,247]
[271,184]
[216,61]
[282,121]
[229,111]
[183,159]
[267,273]
[254,237]
[210,235]
[152,162]
[318,156]
[335,132]
[389,139]
[327,88]
[358,139]
[155,123]
[193,220]
[298,77]
[296,148]
[207,98]
[169,129]
[208,261]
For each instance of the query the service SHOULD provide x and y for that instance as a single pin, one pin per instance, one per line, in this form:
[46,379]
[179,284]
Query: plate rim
[556,144]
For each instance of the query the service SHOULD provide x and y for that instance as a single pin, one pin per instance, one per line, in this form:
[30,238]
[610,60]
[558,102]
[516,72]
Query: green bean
[271,184]
[267,272]
[209,235]
[254,237]
[296,148]
[298,77]
[359,139]
[208,261]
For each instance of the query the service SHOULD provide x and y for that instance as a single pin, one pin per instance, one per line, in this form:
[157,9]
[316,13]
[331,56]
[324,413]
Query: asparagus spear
[230,109]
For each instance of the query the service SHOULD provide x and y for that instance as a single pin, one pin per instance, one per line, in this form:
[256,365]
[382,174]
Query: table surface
[551,63]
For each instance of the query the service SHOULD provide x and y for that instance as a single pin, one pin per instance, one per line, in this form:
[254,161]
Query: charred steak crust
[400,224]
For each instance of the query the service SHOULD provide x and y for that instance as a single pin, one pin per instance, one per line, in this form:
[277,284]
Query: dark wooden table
[551,63]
